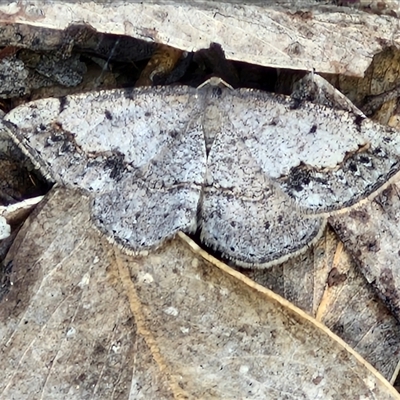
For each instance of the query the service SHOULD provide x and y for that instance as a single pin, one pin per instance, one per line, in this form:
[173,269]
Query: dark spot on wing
[298,177]
[358,121]
[353,167]
[116,166]
[313,129]
[364,160]
[373,246]
[387,139]
[173,134]
[378,152]
[108,115]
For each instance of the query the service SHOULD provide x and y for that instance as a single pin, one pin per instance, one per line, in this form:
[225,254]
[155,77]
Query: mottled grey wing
[244,215]
[159,199]
[324,159]
[140,153]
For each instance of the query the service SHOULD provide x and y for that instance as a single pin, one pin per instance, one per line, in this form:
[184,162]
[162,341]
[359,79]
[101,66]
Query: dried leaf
[371,234]
[199,329]
[326,283]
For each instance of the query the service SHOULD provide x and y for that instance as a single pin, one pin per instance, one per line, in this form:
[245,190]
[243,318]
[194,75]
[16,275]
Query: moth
[254,174]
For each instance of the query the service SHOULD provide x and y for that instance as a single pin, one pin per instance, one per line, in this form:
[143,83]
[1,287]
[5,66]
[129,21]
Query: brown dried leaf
[325,283]
[371,234]
[83,319]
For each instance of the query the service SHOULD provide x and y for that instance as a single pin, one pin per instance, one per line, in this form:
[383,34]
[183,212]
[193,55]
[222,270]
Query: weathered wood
[300,36]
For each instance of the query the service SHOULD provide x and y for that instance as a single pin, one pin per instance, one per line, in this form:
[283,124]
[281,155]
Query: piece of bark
[81,319]
[304,36]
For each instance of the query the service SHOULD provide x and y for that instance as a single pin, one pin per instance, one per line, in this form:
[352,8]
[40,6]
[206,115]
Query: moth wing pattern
[145,172]
[255,174]
[244,214]
[325,159]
